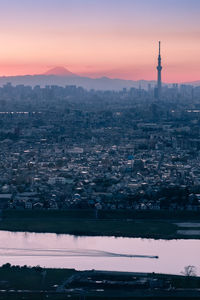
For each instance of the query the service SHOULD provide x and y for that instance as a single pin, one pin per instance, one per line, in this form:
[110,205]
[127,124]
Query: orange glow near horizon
[132,59]
[117,39]
[127,74]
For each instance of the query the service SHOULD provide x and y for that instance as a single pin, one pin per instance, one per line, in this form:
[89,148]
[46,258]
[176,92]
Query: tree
[189,271]
[6,266]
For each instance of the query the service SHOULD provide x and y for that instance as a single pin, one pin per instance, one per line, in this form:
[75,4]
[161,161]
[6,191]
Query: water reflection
[102,253]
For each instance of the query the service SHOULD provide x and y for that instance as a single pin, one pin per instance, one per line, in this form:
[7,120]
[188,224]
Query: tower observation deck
[159,68]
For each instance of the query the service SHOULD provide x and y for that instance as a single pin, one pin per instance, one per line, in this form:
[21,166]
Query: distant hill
[85,82]
[194,83]
[61,76]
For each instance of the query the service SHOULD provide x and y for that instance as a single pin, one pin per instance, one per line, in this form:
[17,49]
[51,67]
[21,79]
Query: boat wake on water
[66,253]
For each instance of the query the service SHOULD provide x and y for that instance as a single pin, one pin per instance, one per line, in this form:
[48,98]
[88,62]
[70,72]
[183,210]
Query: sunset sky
[114,38]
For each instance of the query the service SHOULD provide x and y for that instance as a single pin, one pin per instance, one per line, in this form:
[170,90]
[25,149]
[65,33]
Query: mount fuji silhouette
[59,71]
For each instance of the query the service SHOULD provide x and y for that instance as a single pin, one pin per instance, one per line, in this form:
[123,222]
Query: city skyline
[116,39]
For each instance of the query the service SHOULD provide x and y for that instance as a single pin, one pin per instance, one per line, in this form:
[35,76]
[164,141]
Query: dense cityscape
[64,148]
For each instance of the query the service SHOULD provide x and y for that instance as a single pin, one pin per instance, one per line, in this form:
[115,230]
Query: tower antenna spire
[159,47]
[159,69]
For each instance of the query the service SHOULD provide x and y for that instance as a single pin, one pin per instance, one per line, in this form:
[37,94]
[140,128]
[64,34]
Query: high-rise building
[159,81]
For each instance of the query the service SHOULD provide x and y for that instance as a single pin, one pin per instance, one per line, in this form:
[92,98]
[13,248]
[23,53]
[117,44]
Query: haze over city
[95,38]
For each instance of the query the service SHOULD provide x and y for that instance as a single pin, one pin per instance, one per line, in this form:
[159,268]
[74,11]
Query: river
[100,253]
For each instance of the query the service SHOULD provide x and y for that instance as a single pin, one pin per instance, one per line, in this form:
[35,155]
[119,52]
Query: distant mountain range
[62,77]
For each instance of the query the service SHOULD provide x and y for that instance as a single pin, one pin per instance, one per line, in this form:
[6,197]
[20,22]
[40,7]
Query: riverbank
[158,225]
[27,283]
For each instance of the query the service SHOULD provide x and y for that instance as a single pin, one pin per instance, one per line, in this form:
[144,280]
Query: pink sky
[101,38]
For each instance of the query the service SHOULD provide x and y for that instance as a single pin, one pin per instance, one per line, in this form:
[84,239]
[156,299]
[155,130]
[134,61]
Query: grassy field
[27,278]
[27,283]
[109,223]
[31,279]
[104,214]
